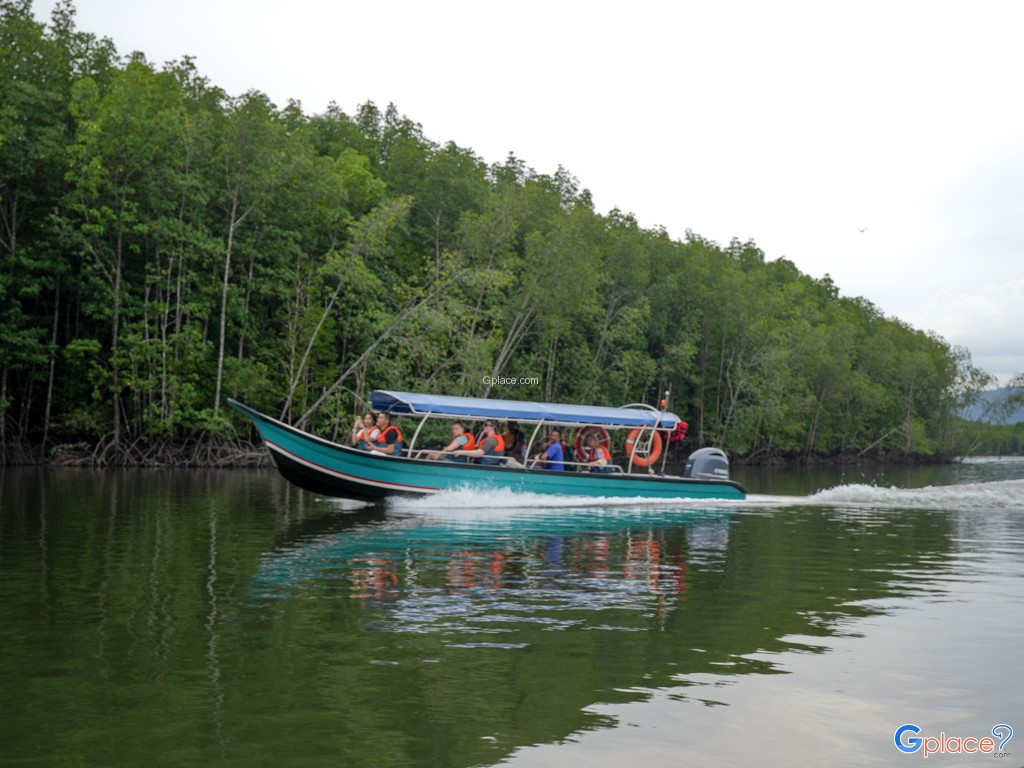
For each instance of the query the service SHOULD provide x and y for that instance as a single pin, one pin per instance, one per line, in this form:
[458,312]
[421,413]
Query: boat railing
[512,461]
[615,468]
[426,453]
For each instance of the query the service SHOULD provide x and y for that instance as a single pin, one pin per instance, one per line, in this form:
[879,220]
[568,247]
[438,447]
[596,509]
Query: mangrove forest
[165,245]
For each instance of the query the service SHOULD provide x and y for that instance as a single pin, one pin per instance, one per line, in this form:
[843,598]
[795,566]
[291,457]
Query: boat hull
[331,469]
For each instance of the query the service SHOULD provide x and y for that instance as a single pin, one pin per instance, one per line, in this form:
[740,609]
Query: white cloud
[989,321]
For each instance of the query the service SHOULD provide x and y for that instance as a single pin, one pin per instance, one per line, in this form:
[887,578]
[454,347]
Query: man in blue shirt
[552,457]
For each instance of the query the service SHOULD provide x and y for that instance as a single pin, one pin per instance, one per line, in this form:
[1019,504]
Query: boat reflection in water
[489,575]
[495,627]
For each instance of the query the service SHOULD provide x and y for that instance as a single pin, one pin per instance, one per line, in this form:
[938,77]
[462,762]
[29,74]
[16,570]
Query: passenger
[489,448]
[552,457]
[515,441]
[461,440]
[597,456]
[569,454]
[389,441]
[364,433]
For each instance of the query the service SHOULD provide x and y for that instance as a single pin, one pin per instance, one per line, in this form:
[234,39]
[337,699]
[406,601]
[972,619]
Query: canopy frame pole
[668,435]
[636,448]
[527,453]
[643,445]
[416,434]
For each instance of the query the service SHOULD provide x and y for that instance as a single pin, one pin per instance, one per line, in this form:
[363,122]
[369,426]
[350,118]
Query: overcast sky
[795,124]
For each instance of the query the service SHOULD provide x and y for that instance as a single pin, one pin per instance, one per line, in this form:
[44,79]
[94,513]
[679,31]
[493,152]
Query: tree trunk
[115,333]
[53,366]
[3,413]
[309,349]
[366,355]
[232,226]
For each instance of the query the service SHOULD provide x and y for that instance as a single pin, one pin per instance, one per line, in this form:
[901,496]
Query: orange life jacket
[382,437]
[499,449]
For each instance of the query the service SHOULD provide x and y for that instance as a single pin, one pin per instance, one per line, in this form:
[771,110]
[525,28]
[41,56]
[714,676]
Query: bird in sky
[863,230]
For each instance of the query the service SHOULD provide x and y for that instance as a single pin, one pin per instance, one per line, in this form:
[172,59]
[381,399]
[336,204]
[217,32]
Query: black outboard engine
[707,464]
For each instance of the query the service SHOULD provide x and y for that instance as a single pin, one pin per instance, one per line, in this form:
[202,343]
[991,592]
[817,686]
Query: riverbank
[210,453]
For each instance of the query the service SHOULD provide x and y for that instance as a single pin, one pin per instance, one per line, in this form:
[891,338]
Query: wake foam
[1002,494]
[475,499]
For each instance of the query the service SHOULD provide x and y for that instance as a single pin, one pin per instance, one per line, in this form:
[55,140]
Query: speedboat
[332,469]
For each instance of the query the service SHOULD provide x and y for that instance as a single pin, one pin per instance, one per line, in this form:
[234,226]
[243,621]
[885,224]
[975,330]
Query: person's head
[556,436]
[383,419]
[369,419]
[593,440]
[458,429]
[490,427]
[513,426]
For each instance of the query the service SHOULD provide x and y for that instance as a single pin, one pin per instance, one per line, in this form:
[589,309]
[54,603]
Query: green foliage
[165,245]
[977,438]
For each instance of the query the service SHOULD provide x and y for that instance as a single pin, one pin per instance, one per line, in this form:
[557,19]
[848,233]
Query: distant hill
[986,409]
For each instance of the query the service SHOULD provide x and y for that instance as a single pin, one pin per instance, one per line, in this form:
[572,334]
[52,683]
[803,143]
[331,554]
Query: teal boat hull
[331,469]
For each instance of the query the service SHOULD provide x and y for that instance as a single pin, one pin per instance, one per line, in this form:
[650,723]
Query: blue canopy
[413,404]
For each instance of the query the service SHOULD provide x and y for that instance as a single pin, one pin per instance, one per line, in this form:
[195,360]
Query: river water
[167,618]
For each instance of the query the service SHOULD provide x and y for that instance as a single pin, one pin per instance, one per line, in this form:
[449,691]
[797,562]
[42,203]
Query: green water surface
[166,618]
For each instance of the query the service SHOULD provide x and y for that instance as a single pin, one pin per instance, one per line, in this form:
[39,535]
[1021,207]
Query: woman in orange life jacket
[389,441]
[461,440]
[596,455]
[365,432]
[489,448]
[515,441]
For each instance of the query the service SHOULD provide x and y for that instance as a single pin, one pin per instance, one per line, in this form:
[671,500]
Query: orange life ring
[602,436]
[650,458]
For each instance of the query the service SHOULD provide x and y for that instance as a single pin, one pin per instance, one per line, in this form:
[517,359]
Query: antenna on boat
[664,410]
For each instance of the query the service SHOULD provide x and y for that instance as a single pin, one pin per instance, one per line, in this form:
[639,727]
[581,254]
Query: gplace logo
[908,741]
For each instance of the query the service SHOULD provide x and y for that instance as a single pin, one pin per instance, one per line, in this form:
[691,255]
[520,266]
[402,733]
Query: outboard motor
[707,464]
